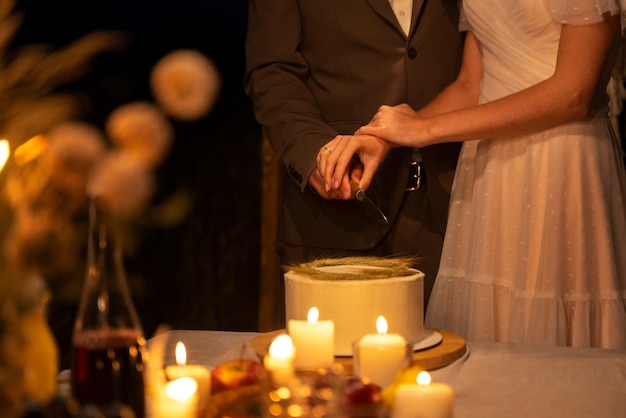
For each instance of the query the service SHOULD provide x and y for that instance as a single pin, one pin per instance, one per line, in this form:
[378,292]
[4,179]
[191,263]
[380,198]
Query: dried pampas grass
[357,268]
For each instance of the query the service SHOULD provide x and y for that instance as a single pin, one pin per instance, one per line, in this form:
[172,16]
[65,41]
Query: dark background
[202,273]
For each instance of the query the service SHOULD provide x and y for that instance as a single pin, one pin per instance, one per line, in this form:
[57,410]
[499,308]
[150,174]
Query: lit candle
[5,150]
[423,400]
[177,398]
[314,341]
[279,359]
[200,374]
[380,356]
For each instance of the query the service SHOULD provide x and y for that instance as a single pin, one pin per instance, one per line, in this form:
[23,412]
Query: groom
[320,68]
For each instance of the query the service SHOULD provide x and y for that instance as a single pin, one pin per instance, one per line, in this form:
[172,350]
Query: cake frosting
[353,298]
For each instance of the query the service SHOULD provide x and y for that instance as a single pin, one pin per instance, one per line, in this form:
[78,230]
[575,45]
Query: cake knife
[370,207]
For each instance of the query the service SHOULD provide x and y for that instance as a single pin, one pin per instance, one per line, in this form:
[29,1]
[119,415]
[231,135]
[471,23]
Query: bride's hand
[336,158]
[396,124]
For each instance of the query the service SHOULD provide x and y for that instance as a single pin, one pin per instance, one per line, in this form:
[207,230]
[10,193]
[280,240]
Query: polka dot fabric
[535,249]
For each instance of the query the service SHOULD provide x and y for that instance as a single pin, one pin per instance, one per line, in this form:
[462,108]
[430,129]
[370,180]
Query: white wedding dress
[535,250]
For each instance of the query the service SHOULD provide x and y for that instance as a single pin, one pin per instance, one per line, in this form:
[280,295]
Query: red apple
[362,398]
[233,374]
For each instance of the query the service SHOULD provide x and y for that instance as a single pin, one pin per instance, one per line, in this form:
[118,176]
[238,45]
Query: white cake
[354,295]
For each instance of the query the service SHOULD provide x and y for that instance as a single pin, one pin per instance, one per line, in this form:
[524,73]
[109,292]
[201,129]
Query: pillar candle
[279,359]
[313,340]
[423,399]
[380,356]
[200,374]
[177,398]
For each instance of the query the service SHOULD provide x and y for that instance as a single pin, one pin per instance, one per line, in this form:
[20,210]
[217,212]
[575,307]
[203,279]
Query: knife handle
[357,191]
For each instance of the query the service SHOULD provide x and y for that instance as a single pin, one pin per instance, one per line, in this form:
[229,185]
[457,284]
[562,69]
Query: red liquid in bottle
[107,369]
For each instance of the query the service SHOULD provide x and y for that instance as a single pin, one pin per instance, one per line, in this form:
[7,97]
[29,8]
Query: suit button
[412,53]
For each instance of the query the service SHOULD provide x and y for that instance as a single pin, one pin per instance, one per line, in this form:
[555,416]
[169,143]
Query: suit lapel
[417,9]
[383,8]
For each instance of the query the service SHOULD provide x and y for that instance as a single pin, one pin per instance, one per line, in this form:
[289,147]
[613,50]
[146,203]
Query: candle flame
[181,389]
[313,315]
[381,325]
[5,150]
[281,347]
[423,378]
[181,354]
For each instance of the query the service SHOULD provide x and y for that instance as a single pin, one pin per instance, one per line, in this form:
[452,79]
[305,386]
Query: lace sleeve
[583,12]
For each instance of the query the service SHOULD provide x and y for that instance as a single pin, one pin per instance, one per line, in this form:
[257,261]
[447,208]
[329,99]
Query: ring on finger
[327,149]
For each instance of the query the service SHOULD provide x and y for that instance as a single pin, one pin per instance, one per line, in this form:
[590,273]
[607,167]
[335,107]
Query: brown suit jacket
[318,68]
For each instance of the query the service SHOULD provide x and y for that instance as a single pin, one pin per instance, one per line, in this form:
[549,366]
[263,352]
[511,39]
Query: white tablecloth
[490,381]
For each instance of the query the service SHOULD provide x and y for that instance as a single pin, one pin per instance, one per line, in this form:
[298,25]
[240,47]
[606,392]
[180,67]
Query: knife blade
[370,207]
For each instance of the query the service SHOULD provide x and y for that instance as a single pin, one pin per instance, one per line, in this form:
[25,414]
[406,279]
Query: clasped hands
[357,157]
[345,158]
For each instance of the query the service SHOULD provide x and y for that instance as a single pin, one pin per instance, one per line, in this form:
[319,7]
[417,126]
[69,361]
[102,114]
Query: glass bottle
[108,343]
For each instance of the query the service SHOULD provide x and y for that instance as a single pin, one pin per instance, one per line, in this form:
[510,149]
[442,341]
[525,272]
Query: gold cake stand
[451,348]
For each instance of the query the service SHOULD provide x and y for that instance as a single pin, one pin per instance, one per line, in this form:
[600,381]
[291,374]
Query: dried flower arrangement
[56,163]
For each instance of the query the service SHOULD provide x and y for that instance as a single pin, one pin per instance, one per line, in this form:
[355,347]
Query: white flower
[53,168]
[186,84]
[73,150]
[122,184]
[73,144]
[141,129]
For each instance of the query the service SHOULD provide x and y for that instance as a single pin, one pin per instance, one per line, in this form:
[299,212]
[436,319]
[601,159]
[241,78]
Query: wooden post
[272,172]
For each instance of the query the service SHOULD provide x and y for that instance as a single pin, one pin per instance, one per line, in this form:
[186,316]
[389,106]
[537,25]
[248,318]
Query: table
[492,380]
